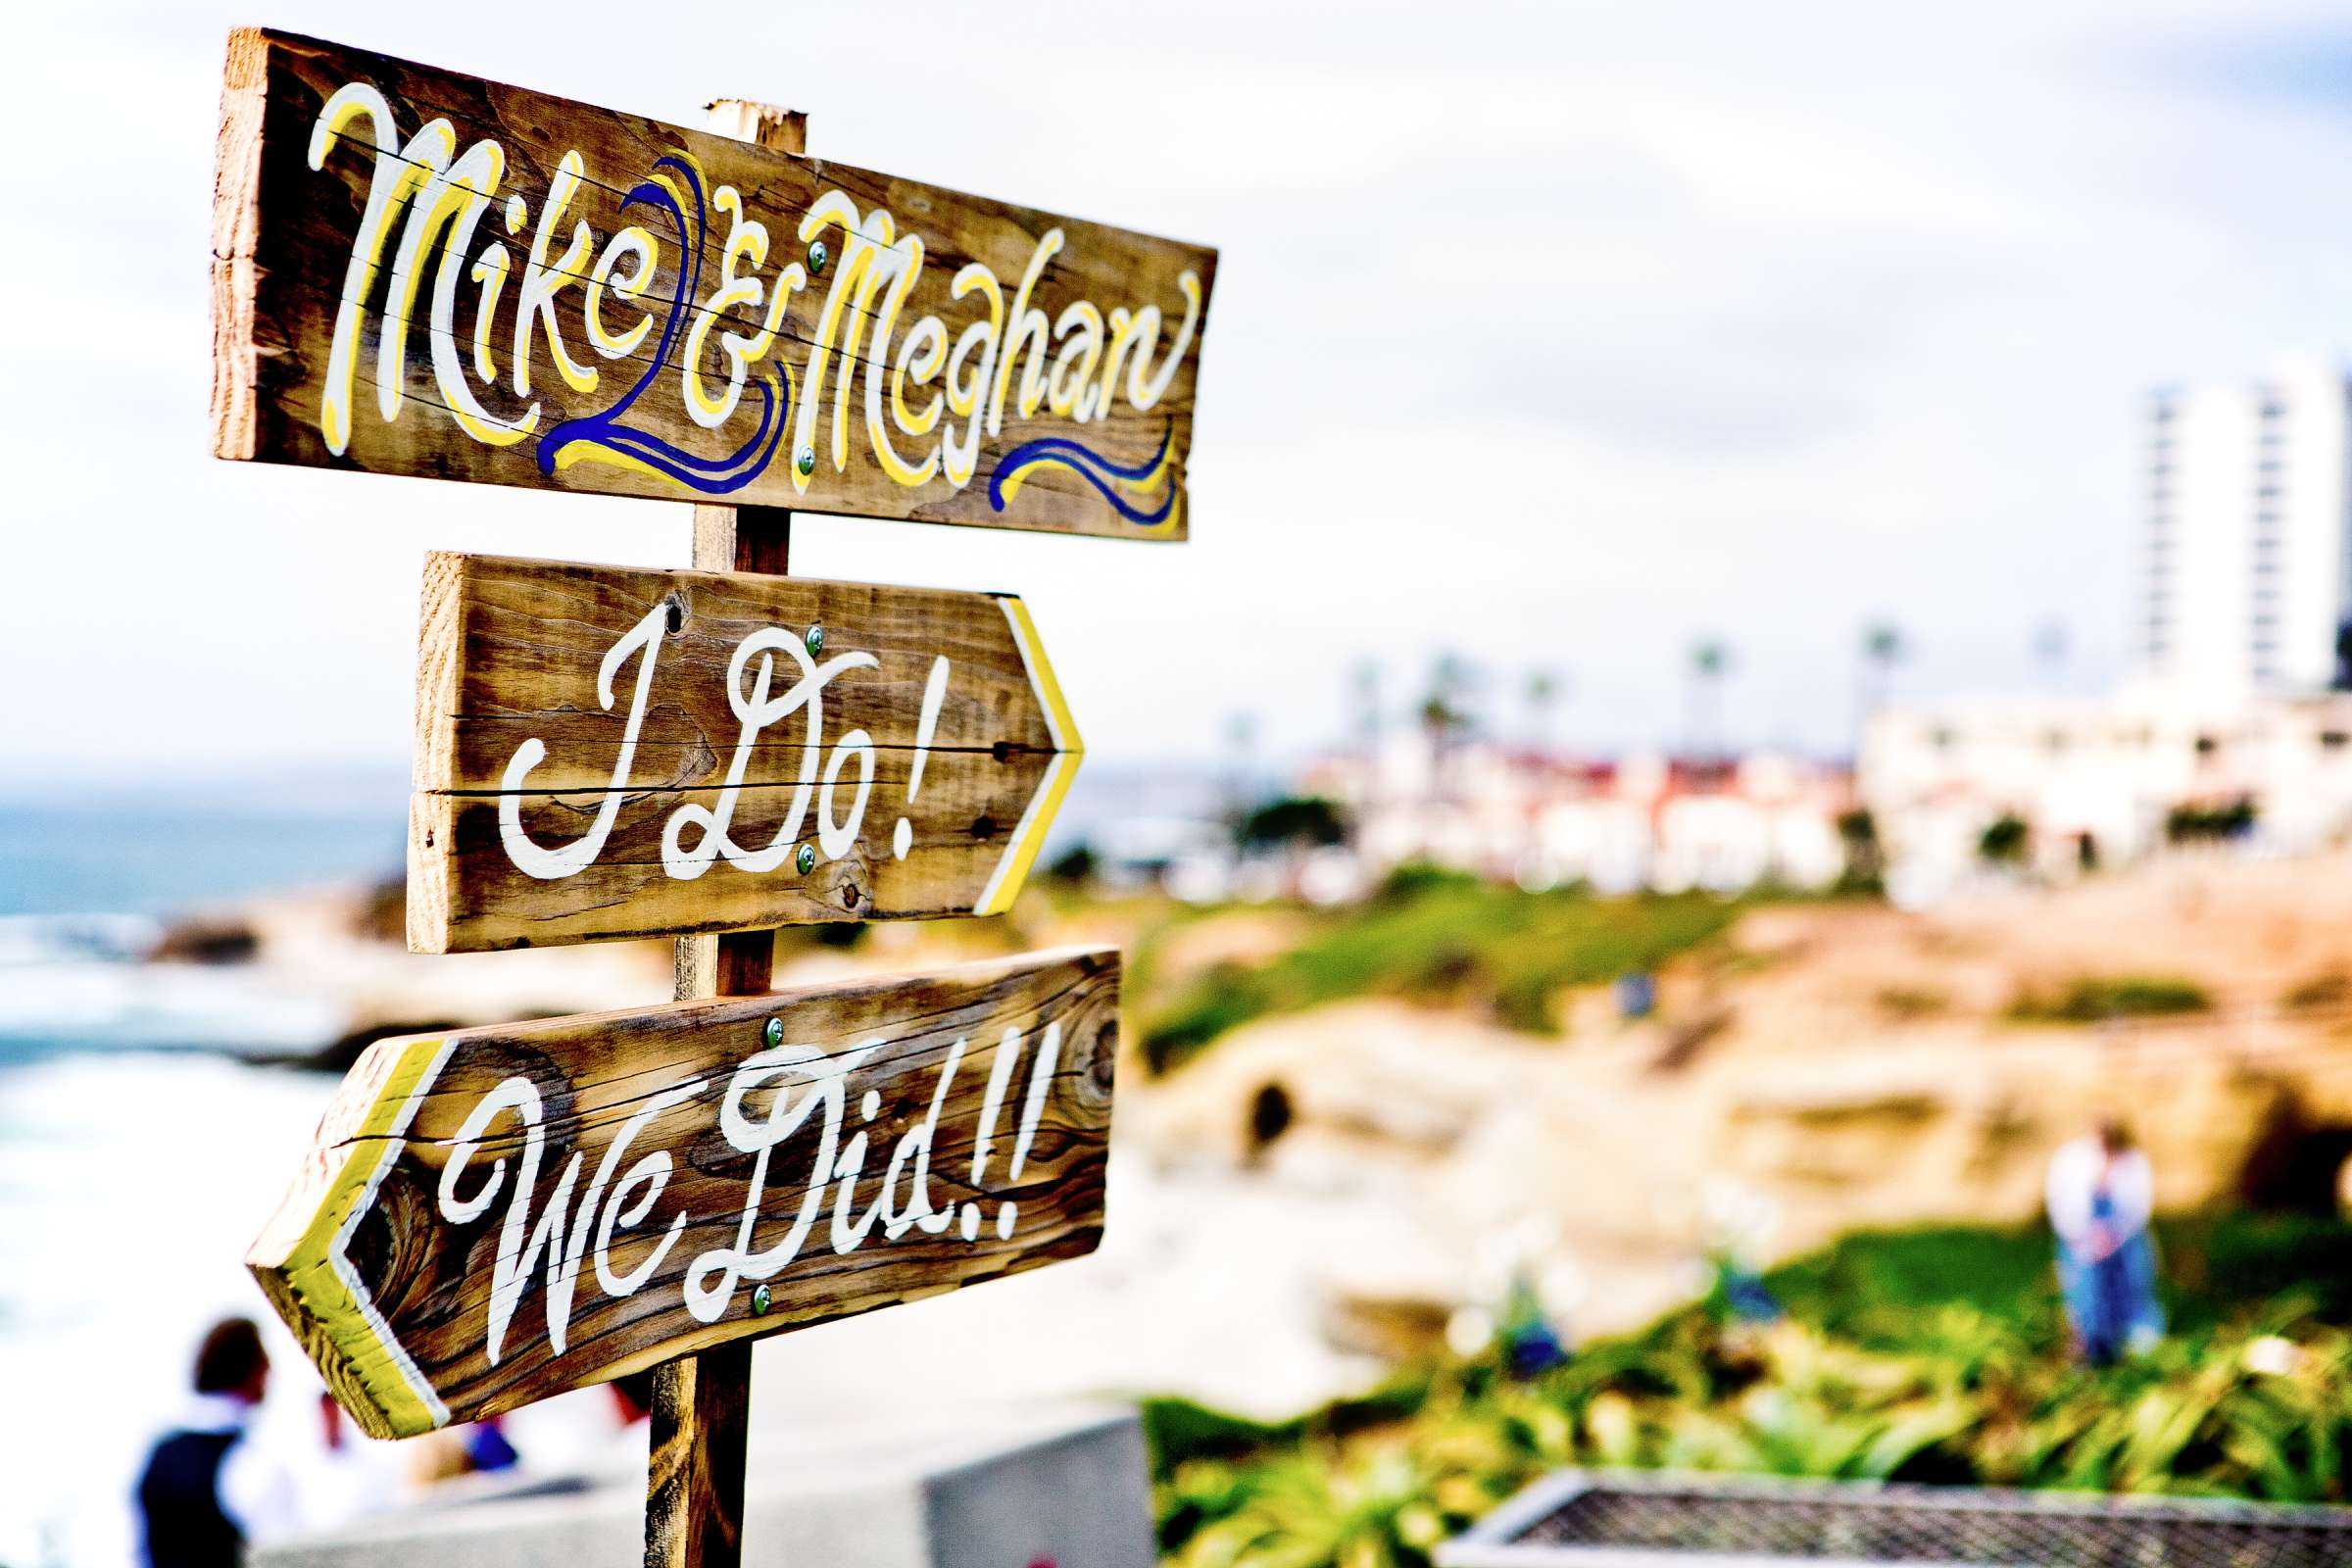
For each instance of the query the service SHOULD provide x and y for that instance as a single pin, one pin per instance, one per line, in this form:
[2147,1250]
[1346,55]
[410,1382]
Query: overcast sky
[1555,336]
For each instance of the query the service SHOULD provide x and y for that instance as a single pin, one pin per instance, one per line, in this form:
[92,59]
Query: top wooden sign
[416,271]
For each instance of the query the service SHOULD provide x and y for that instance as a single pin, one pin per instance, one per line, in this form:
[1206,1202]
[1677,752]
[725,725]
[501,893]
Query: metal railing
[1609,1519]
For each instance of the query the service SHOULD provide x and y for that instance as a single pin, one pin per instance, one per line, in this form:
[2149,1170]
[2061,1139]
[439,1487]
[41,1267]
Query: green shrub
[1408,880]
[2005,840]
[1179,1430]
[2211,824]
[1911,1002]
[1307,821]
[1226,997]
[1075,866]
[1437,936]
[2095,999]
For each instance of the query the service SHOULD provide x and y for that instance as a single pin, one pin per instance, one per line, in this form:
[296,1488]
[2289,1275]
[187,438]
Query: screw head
[774,1031]
[807,859]
[805,462]
[815,639]
[762,1301]
[818,256]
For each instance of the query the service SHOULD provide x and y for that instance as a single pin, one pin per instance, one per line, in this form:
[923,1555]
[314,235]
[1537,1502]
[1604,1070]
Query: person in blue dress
[2101,1196]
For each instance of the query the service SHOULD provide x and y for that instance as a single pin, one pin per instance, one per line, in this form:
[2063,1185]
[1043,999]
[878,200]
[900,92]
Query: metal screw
[817,257]
[775,1031]
[762,1301]
[805,462]
[807,859]
[815,639]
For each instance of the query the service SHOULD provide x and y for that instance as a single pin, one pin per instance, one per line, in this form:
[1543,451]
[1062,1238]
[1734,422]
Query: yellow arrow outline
[1029,836]
[315,1287]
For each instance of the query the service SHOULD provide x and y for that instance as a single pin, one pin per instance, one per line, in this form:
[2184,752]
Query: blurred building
[2247,560]
[1646,821]
[2231,715]
[2099,781]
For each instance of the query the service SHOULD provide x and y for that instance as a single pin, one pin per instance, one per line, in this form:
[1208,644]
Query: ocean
[139,1155]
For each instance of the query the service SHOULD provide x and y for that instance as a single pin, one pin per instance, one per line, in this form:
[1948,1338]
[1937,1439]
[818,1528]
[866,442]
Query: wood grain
[617,421]
[700,1422]
[701,1429]
[384,1255]
[510,656]
[508,651]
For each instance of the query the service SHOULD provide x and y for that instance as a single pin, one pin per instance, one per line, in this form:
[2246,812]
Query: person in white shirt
[206,1491]
[2101,1196]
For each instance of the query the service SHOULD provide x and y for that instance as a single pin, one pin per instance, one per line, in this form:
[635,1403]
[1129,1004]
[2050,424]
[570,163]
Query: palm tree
[1367,704]
[1710,661]
[2049,648]
[1241,743]
[1544,688]
[1883,648]
[1444,712]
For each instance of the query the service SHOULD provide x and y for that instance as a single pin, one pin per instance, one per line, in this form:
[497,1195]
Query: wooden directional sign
[606,753]
[416,271]
[497,1215]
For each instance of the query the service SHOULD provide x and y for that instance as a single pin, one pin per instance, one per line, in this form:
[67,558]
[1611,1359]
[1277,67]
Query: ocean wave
[71,983]
[45,939]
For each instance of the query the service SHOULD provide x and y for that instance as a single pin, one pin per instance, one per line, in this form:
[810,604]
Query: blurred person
[1527,1283]
[207,1492]
[1532,1346]
[1738,1223]
[1740,1289]
[487,1449]
[1636,994]
[478,1447]
[2100,1196]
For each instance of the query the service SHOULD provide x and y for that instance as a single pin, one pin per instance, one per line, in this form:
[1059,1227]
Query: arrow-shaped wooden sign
[497,1215]
[611,752]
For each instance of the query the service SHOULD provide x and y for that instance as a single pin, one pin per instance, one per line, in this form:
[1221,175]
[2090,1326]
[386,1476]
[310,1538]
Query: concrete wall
[1068,1491]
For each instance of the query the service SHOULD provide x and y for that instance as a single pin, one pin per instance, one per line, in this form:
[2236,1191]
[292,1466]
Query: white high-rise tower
[2249,554]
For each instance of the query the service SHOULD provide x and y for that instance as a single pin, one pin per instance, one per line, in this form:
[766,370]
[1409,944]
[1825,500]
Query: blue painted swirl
[1094,468]
[709,475]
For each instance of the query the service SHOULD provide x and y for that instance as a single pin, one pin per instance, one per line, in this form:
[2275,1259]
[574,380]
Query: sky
[1557,337]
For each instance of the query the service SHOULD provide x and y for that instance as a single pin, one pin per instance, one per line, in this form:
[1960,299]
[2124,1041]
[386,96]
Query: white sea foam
[129,1186]
[76,983]
[37,939]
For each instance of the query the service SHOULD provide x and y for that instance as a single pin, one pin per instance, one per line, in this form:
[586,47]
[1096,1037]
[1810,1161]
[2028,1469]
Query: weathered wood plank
[510,651]
[702,1402]
[422,272]
[567,715]
[499,1214]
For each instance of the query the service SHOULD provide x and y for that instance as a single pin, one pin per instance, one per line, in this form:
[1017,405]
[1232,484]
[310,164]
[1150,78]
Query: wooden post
[702,1402]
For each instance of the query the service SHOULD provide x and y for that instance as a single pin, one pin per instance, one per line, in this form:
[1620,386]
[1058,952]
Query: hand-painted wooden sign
[422,272]
[500,1214]
[606,753]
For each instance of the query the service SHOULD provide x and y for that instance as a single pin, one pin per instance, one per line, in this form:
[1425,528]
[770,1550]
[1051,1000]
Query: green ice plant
[2261,1407]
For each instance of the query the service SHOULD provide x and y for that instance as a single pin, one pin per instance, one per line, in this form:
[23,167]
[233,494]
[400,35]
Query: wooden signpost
[500,1214]
[604,752]
[416,271]
[420,272]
